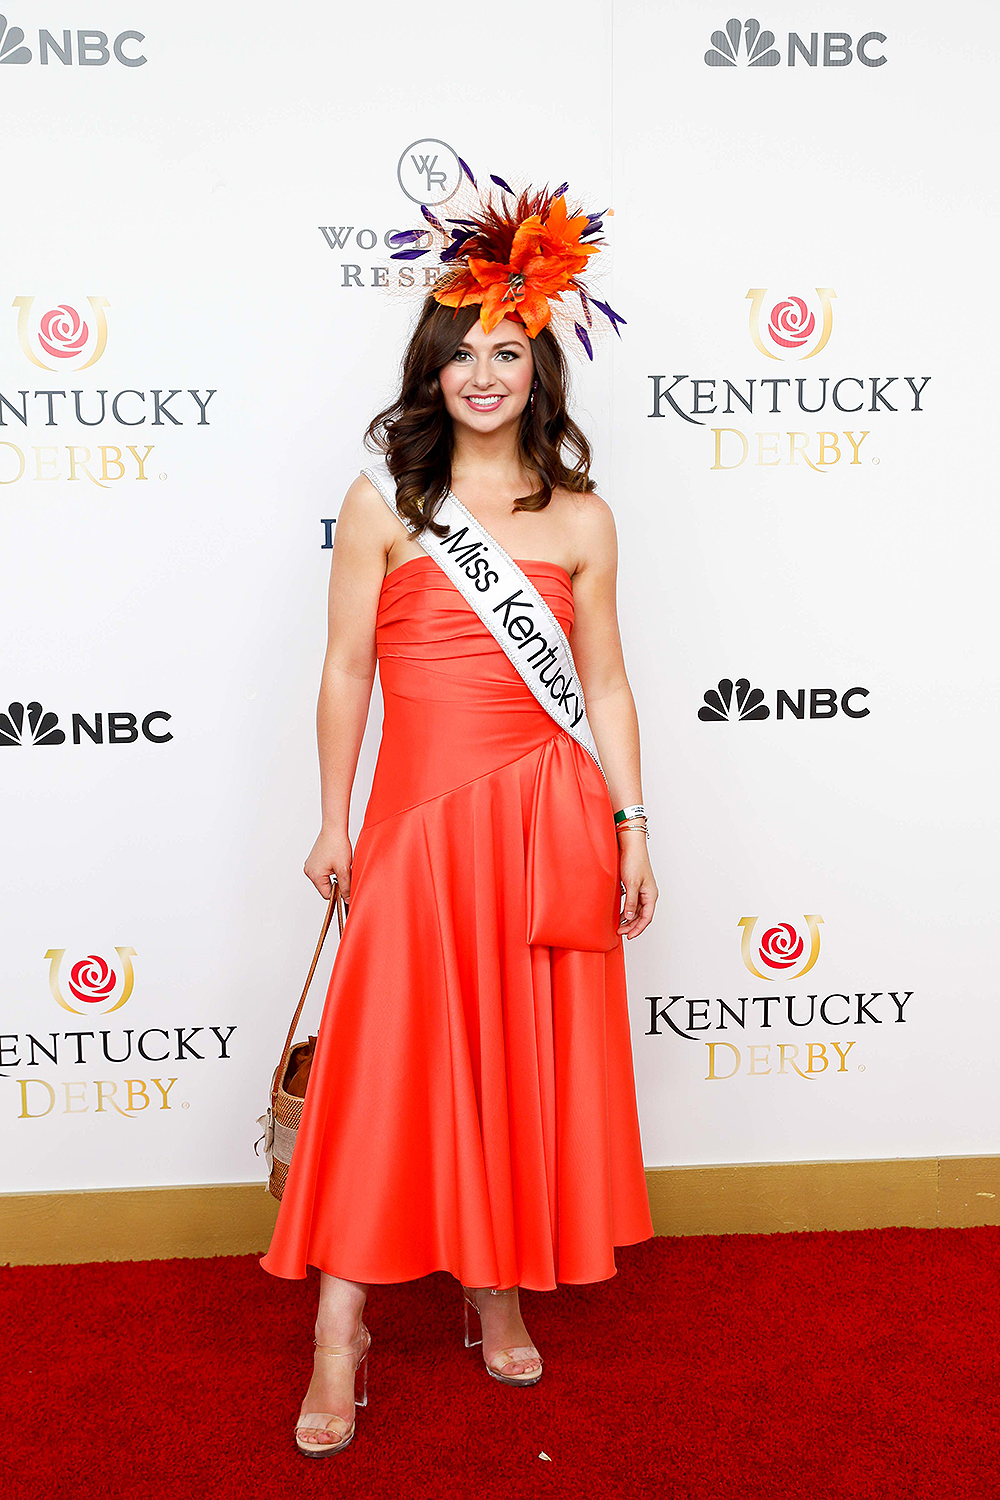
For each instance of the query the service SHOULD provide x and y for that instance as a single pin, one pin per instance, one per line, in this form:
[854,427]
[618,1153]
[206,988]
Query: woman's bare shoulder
[364,521]
[363,501]
[592,524]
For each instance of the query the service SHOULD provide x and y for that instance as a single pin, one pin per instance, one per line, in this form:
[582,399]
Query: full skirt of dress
[471,1104]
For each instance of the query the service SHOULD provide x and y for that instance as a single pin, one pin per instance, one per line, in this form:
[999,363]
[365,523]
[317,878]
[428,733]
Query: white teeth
[484,400]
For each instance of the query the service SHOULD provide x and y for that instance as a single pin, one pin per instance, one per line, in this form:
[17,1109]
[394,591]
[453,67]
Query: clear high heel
[322,1420]
[520,1355]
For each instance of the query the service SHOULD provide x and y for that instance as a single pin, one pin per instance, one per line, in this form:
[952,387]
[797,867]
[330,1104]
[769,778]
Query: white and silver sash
[508,604]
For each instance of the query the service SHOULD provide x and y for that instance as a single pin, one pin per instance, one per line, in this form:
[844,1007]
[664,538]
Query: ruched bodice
[454,705]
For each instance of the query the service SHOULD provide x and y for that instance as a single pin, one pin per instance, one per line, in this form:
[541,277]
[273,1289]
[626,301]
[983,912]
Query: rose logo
[92,980]
[781,947]
[62,332]
[791,323]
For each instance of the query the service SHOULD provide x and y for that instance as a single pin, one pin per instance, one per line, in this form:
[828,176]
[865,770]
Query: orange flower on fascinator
[515,257]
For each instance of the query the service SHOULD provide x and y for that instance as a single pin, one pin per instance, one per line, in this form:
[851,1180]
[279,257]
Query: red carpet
[856,1366]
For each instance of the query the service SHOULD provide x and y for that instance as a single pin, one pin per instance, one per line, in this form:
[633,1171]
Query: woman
[471,1105]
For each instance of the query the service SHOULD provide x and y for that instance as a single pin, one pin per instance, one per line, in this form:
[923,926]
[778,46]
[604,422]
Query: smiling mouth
[483,403]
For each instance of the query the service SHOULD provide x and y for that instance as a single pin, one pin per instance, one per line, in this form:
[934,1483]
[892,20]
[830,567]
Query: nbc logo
[31,724]
[746,43]
[91,47]
[734,701]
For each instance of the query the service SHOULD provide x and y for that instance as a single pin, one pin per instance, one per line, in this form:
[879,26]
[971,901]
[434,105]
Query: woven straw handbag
[288,1085]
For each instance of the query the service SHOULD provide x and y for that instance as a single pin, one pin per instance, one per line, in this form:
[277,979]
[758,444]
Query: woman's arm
[357,568]
[597,651]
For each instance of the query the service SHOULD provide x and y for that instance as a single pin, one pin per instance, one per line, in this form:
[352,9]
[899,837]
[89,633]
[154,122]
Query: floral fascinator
[514,254]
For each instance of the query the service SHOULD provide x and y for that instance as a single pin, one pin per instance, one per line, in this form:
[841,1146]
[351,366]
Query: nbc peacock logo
[92,986]
[30,725]
[732,702]
[748,44]
[11,40]
[743,42]
[781,948]
[82,48]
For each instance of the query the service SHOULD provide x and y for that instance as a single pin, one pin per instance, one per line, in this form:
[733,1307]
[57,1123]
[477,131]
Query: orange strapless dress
[471,1106]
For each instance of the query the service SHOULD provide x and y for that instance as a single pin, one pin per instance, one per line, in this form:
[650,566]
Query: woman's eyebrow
[505,344]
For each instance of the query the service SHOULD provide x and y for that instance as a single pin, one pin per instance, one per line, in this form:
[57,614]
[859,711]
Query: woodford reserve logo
[94,985]
[428,172]
[786,951]
[788,325]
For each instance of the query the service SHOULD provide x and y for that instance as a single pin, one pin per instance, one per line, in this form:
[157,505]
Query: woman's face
[487,382]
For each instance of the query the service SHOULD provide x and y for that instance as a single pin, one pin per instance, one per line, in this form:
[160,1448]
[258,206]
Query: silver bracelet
[638,825]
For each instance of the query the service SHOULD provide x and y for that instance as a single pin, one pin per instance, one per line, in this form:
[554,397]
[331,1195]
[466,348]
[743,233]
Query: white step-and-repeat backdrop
[795,432]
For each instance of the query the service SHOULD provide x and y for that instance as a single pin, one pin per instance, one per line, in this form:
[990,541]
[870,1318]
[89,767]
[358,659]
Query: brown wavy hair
[415,431]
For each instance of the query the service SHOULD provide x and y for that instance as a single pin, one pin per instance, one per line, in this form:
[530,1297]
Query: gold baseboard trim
[772,1197]
[747,1198]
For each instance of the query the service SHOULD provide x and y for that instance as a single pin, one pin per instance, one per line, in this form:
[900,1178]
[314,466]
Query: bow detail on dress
[572,860]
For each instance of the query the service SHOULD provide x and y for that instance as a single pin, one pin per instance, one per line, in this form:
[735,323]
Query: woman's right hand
[331,854]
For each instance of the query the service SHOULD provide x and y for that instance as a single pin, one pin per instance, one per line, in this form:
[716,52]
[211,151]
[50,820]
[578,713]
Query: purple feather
[431,219]
[609,313]
[582,335]
[595,223]
[560,190]
[585,304]
[468,171]
[500,183]
[456,247]
[408,254]
[406,236]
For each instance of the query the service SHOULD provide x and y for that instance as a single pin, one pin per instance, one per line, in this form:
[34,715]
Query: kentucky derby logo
[788,327]
[733,700]
[759,50]
[94,986]
[781,948]
[62,337]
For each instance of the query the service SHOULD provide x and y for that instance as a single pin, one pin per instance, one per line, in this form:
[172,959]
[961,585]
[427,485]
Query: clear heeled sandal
[321,1421]
[521,1355]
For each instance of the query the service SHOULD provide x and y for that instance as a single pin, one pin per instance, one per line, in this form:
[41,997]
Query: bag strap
[335,897]
[509,605]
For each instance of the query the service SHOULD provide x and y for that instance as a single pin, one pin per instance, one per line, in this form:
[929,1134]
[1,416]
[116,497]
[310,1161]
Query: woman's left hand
[640,887]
